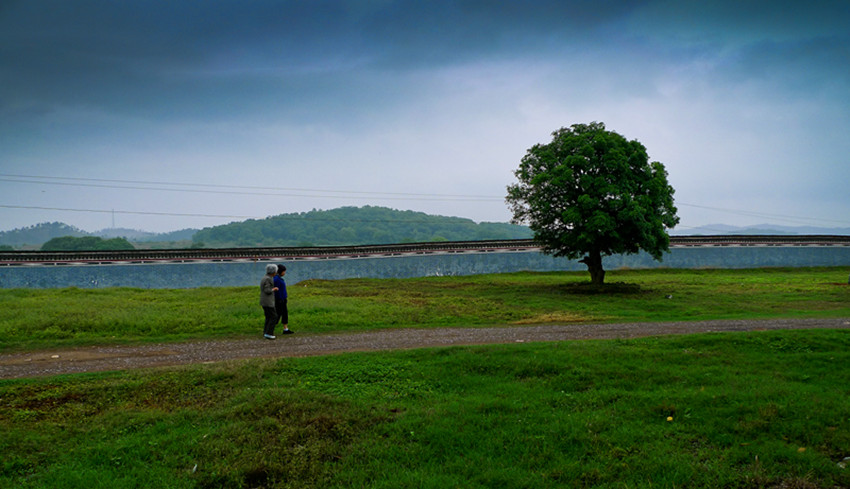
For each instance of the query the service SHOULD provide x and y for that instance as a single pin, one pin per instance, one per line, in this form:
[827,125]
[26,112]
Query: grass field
[765,409]
[733,410]
[34,319]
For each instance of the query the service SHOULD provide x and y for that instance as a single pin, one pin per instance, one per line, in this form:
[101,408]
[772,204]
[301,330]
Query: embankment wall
[248,273]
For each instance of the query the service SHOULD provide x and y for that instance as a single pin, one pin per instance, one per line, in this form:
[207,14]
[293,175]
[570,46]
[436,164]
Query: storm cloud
[192,113]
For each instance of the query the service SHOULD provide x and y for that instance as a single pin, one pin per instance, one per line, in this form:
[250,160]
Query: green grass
[54,318]
[749,410]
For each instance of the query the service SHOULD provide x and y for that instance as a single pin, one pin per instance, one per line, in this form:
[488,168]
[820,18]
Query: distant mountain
[131,234]
[145,236]
[760,229]
[179,235]
[352,226]
[39,234]
[346,225]
[35,236]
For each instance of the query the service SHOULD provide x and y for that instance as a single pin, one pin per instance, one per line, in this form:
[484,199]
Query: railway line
[46,258]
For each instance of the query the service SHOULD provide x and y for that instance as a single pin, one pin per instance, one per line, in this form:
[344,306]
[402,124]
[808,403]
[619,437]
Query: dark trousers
[271,320]
[281,310]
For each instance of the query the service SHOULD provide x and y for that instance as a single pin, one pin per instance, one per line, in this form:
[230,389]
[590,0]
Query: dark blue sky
[195,113]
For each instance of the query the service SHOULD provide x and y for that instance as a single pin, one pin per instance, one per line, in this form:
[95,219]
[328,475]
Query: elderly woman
[267,293]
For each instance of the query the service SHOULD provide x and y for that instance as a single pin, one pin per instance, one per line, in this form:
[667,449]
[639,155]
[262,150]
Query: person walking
[280,297]
[267,300]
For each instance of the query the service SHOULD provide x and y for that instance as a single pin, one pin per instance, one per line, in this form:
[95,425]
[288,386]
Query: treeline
[352,226]
[86,243]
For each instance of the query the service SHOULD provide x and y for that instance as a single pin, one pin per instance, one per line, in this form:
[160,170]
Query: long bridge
[219,267]
[223,255]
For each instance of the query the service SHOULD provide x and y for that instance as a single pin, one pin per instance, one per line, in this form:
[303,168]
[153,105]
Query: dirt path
[102,358]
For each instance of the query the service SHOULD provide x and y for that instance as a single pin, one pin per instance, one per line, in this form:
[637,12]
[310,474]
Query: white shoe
[268,336]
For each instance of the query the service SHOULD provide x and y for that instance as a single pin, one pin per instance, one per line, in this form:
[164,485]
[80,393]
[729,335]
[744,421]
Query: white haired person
[267,293]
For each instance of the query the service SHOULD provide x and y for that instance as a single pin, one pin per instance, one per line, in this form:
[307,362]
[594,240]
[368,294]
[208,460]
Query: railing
[16,258]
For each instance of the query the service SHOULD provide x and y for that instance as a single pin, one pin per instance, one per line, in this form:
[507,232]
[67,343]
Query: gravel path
[102,358]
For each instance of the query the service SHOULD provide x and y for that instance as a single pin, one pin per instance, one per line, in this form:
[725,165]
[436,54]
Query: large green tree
[591,193]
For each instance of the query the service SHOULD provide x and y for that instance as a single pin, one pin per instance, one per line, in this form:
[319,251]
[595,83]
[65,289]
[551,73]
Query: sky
[160,115]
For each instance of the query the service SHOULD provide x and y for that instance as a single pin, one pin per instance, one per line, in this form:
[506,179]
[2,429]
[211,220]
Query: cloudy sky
[162,115]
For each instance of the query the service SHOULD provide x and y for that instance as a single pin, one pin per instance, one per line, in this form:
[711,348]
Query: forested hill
[353,225]
[38,234]
[32,237]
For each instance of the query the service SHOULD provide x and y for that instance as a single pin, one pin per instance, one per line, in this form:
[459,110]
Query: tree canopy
[86,243]
[591,193]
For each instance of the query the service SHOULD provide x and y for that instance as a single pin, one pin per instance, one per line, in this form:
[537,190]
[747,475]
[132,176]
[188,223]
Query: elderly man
[267,293]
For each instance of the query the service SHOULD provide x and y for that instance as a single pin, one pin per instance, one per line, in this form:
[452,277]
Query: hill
[35,236]
[342,226]
[760,229]
[39,234]
[138,236]
[353,225]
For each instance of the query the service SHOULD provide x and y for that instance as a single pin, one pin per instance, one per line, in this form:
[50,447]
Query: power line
[175,214]
[321,193]
[235,216]
[106,211]
[222,189]
[765,215]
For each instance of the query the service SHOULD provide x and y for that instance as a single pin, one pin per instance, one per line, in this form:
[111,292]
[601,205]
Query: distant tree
[7,248]
[86,243]
[591,193]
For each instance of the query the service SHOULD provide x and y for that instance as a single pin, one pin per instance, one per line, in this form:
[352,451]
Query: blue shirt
[281,288]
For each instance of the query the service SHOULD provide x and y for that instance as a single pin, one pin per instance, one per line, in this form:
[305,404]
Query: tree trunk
[593,260]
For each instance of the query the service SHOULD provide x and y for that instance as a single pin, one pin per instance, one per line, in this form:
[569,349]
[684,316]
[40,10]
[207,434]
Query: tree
[592,193]
[86,243]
